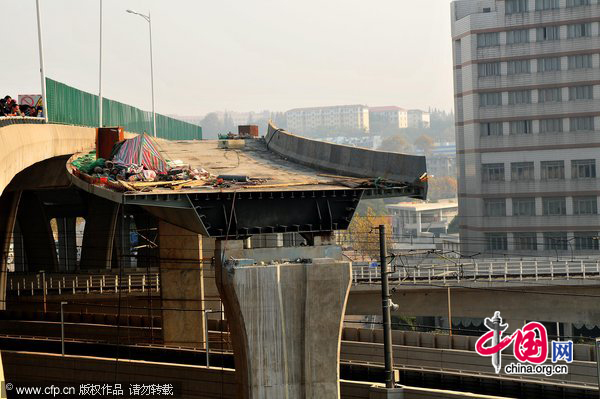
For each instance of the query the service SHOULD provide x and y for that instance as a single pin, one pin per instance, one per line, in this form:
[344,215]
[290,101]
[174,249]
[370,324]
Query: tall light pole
[41,48]
[100,73]
[147,18]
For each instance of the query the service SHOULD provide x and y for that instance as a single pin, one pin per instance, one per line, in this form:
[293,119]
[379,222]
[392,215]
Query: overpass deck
[293,191]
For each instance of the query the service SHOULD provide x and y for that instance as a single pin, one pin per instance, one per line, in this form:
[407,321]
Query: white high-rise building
[305,120]
[527,97]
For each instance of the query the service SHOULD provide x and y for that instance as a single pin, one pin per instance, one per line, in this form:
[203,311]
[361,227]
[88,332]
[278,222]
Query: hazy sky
[237,54]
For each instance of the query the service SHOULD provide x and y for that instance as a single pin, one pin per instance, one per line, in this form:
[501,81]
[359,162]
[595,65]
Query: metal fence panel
[68,105]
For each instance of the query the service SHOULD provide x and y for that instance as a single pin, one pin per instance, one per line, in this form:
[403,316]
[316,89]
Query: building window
[491,129]
[493,172]
[516,6]
[551,125]
[554,206]
[577,3]
[546,5]
[494,206]
[520,171]
[488,39]
[489,69]
[585,205]
[521,127]
[548,33]
[584,123]
[583,169]
[579,30]
[517,36]
[490,99]
[580,61]
[523,206]
[518,67]
[553,170]
[581,93]
[525,241]
[549,95]
[519,97]
[555,241]
[586,241]
[496,242]
[548,64]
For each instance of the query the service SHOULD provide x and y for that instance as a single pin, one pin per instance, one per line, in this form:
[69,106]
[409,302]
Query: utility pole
[598,360]
[387,318]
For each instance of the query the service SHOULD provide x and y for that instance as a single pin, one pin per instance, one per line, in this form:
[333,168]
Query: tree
[424,143]
[363,235]
[211,125]
[441,187]
[395,144]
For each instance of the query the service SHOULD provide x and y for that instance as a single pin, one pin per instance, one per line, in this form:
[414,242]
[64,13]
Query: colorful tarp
[141,150]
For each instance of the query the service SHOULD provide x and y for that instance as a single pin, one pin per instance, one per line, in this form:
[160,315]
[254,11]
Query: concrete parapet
[346,160]
[286,323]
[22,145]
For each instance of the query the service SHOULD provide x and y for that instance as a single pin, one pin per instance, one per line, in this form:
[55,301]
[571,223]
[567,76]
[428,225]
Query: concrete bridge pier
[67,243]
[182,286]
[38,239]
[99,234]
[285,322]
[9,202]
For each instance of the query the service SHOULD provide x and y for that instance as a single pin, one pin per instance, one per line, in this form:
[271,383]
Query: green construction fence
[68,105]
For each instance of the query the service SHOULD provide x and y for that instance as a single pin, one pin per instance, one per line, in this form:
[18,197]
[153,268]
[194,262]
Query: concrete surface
[22,145]
[195,382]
[182,290]
[566,304]
[345,160]
[285,322]
[99,234]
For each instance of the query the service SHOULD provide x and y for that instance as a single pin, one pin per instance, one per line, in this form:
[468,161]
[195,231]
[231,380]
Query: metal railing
[64,284]
[495,270]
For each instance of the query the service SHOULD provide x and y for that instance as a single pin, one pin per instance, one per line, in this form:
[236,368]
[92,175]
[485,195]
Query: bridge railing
[481,270]
[65,284]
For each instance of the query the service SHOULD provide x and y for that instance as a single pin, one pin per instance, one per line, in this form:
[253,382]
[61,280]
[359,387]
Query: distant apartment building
[388,117]
[527,102]
[441,161]
[352,117]
[422,218]
[418,119]
[441,165]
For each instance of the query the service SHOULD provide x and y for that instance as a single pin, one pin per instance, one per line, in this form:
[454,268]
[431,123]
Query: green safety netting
[72,106]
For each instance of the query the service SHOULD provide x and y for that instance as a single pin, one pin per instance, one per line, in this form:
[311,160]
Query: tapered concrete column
[285,322]
[18,249]
[37,234]
[99,234]
[67,243]
[9,202]
[182,286]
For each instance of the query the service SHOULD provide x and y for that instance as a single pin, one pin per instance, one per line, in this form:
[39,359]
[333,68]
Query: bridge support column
[99,234]
[38,239]
[9,202]
[285,322]
[182,286]
[67,243]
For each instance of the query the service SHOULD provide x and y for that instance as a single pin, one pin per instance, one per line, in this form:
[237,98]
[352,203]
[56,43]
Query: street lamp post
[41,48]
[100,73]
[147,18]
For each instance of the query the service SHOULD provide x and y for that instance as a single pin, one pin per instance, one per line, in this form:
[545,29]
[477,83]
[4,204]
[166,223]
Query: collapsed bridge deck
[295,190]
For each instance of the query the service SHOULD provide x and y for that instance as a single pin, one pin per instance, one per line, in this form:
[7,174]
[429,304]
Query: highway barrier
[68,105]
